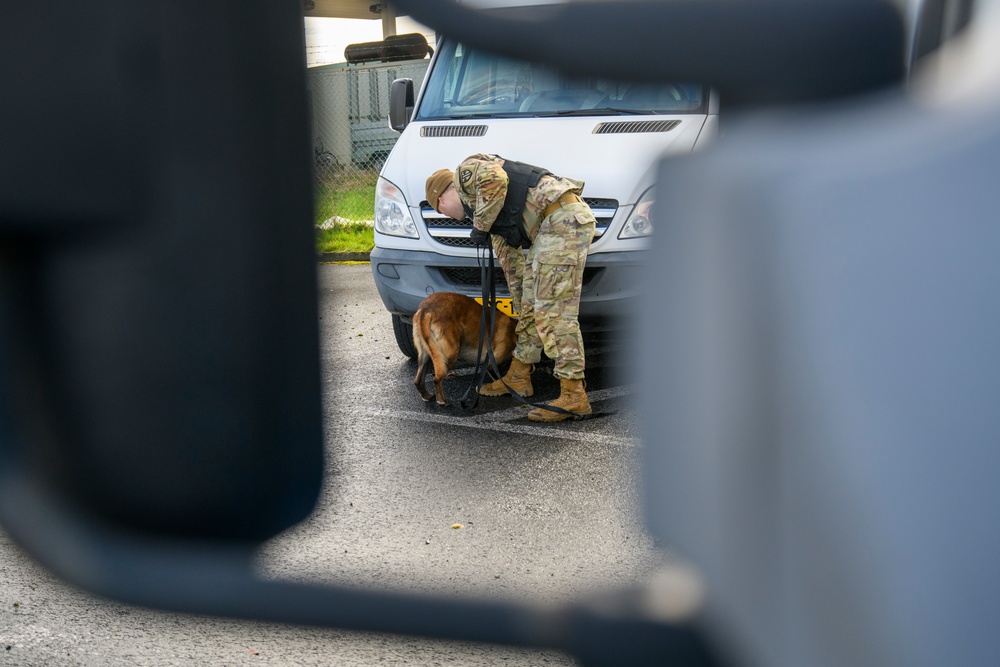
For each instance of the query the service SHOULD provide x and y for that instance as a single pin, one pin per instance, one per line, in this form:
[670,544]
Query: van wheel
[404,336]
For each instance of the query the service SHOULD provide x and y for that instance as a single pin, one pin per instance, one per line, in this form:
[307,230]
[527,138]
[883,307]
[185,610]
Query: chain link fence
[351,134]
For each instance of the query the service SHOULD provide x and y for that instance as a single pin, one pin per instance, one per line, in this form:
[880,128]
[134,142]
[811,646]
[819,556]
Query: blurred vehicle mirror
[159,362]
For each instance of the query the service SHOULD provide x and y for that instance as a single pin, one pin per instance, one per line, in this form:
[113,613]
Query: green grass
[348,195]
[349,198]
[354,204]
[357,237]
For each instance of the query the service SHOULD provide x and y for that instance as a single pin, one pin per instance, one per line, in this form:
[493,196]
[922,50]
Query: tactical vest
[510,221]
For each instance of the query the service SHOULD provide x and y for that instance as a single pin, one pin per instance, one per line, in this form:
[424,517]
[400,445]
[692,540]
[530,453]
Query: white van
[608,134]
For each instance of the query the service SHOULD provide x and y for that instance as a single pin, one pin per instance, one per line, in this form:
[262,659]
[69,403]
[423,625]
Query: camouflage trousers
[545,287]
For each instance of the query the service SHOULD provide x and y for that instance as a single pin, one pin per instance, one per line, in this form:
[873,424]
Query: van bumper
[608,300]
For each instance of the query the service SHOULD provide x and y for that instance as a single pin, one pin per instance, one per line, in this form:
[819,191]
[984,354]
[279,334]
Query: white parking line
[517,410]
[499,421]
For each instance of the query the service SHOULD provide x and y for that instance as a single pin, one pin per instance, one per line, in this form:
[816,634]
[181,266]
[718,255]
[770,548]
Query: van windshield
[467,83]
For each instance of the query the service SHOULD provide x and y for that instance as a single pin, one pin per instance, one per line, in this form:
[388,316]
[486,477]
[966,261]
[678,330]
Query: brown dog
[446,329]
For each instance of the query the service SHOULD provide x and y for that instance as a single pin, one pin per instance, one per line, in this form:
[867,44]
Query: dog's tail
[419,332]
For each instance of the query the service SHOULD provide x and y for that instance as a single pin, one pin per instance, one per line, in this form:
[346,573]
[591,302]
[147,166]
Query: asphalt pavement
[418,498]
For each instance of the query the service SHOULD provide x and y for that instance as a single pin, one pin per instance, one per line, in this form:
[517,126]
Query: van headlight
[392,216]
[638,223]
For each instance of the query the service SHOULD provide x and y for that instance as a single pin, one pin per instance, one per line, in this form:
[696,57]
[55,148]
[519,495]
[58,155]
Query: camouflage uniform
[545,285]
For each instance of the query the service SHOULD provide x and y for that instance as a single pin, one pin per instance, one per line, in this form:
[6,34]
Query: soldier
[516,205]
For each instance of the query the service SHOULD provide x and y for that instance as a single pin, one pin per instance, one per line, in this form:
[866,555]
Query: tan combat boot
[518,378]
[572,397]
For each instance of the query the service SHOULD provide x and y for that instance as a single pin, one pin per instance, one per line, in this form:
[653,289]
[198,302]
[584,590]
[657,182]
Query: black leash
[487,321]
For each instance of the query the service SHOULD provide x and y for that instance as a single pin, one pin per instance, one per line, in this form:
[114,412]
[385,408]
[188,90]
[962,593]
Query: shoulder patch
[465,176]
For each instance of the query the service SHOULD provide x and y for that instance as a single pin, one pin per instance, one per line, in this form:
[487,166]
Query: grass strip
[348,237]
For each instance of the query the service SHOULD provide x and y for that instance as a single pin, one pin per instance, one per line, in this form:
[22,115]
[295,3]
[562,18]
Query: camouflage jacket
[481,183]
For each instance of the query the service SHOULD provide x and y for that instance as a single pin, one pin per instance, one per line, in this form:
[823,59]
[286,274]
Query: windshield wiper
[601,111]
[459,116]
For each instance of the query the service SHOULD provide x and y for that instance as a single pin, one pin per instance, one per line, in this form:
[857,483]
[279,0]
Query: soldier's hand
[480,238]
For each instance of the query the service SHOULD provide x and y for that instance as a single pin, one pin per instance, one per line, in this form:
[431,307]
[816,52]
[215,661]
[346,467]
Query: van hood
[583,148]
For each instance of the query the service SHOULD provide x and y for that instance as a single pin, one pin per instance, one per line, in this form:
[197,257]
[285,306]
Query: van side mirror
[140,307]
[400,103]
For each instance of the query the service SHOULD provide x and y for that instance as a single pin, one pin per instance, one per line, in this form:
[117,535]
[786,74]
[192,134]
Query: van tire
[404,336]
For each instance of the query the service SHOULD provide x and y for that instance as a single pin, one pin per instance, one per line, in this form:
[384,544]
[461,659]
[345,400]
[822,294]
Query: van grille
[466,277]
[455,233]
[636,126]
[453,130]
[472,277]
